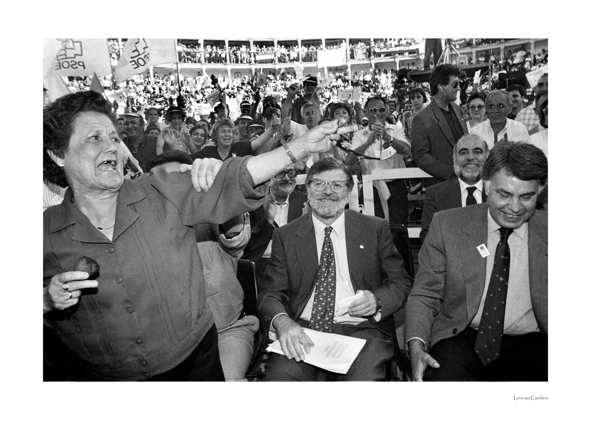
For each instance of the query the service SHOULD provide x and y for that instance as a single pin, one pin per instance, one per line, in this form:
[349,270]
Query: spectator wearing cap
[176,135]
[141,147]
[498,127]
[242,124]
[245,108]
[309,84]
[517,92]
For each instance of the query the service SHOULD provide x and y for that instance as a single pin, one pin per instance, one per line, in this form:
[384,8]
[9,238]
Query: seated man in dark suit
[466,189]
[283,205]
[320,259]
[478,310]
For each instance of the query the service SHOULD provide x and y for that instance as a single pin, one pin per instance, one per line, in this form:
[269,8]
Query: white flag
[140,54]
[56,88]
[76,57]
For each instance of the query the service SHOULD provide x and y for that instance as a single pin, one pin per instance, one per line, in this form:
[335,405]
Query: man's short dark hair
[328,164]
[174,156]
[519,159]
[376,97]
[441,75]
[517,87]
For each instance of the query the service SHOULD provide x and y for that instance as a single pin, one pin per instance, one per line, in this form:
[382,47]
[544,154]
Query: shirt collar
[493,226]
[338,226]
[464,185]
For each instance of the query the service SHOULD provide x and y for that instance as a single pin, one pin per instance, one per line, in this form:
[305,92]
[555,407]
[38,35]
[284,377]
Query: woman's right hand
[64,290]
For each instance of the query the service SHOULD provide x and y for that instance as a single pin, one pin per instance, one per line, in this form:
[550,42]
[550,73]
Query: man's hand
[270,208]
[419,359]
[378,129]
[292,90]
[323,137]
[364,307]
[292,338]
[64,290]
[203,172]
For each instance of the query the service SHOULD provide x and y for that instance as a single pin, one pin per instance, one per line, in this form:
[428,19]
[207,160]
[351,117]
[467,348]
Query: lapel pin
[483,251]
[360,246]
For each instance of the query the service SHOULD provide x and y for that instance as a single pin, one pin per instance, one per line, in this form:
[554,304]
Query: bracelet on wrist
[289,153]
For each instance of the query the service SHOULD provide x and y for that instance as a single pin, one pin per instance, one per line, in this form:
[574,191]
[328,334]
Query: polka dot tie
[490,330]
[324,296]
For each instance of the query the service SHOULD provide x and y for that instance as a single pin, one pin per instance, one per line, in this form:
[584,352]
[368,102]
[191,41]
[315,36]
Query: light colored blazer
[450,282]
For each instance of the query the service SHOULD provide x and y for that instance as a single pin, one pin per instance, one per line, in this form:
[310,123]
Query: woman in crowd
[141,315]
[476,109]
[223,134]
[418,101]
[198,136]
[176,135]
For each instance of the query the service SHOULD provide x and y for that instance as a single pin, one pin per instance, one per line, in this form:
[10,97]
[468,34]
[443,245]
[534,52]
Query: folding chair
[246,274]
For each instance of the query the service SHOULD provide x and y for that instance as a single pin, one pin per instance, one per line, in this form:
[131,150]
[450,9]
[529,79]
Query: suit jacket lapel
[306,250]
[538,271]
[475,233]
[356,238]
[454,194]
[443,123]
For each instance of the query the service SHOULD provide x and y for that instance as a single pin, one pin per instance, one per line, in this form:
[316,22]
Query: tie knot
[327,231]
[471,190]
[505,232]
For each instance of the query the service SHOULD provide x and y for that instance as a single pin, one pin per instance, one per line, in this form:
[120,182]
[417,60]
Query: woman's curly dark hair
[58,120]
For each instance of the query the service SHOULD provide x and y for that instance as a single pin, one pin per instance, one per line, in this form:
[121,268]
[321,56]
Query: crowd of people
[169,187]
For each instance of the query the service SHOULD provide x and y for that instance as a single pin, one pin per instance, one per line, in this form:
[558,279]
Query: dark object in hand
[89,265]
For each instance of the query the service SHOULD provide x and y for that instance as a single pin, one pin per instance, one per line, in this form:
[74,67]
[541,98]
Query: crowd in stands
[446,127]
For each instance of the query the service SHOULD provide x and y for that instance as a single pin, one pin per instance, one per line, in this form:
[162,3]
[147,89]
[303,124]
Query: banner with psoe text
[75,57]
[140,54]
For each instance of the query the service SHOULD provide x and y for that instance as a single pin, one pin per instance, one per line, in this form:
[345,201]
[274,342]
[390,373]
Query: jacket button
[455,331]
[119,279]
[139,341]
[111,250]
[130,310]
[143,363]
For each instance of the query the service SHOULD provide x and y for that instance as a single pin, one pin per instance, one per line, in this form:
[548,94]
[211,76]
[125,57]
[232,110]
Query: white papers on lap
[343,305]
[332,352]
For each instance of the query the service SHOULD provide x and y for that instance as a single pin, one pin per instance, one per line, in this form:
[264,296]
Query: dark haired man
[375,140]
[309,84]
[317,261]
[141,147]
[517,92]
[528,115]
[282,205]
[437,128]
[478,309]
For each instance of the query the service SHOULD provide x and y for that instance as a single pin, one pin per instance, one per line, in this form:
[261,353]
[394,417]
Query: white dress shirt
[344,288]
[477,193]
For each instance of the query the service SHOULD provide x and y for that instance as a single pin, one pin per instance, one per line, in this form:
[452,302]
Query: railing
[390,174]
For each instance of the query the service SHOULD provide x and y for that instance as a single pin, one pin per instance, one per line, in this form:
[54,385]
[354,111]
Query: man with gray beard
[469,155]
[333,271]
